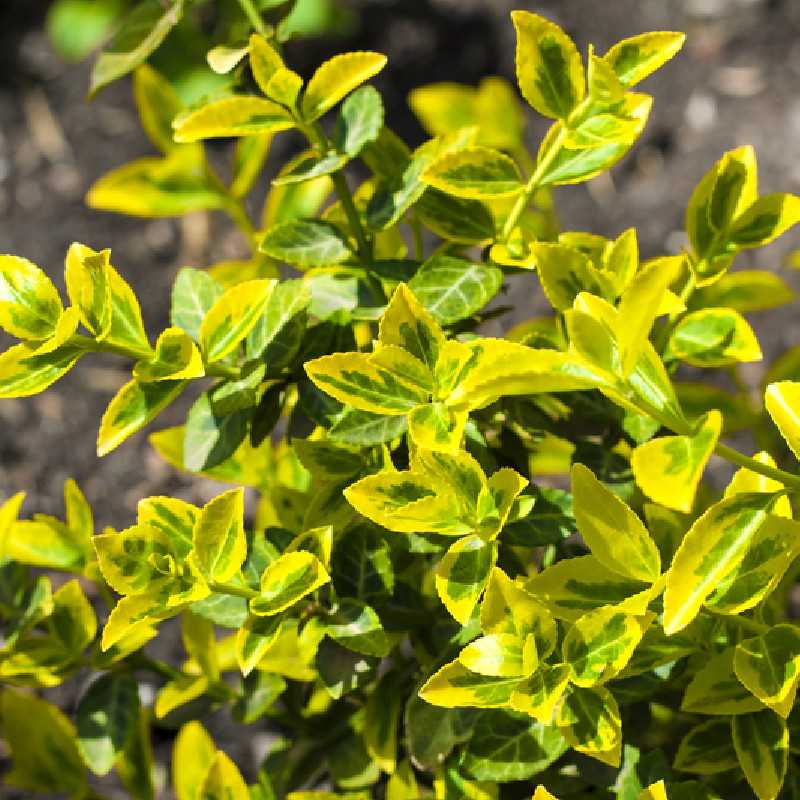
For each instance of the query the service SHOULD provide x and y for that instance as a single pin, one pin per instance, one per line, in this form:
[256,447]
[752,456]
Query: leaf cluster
[473,565]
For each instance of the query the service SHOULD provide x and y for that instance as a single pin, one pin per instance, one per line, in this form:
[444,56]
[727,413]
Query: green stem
[689,287]
[222,371]
[365,255]
[236,591]
[743,622]
[735,457]
[661,339]
[240,218]
[234,208]
[251,12]
[416,232]
[141,660]
[524,200]
[317,139]
[93,346]
[789,480]
[349,206]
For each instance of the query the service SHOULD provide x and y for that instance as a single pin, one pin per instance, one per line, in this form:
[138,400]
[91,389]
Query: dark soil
[736,82]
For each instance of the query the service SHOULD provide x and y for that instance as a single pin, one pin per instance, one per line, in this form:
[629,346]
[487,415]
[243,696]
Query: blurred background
[736,82]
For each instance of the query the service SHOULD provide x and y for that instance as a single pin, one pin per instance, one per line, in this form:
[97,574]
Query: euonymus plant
[476,565]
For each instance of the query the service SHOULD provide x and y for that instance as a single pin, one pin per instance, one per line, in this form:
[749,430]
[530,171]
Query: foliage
[415,606]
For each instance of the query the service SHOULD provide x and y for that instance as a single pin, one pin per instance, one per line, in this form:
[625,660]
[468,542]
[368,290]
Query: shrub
[415,610]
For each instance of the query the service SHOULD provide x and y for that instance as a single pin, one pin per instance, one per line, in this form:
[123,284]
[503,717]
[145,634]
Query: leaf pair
[416,372]
[600,346]
[169,559]
[49,640]
[447,494]
[246,116]
[598,119]
[49,542]
[517,633]
[220,321]
[199,770]
[405,376]
[725,214]
[176,183]
[31,309]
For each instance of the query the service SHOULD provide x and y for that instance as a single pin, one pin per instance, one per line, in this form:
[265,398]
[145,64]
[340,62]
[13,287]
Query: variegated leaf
[219,547]
[462,574]
[714,546]
[614,534]
[589,720]
[287,580]
[669,468]
[769,666]
[599,644]
[454,686]
[762,745]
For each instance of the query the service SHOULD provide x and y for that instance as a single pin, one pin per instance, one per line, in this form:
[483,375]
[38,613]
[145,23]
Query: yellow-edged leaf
[539,695]
[454,686]
[23,372]
[233,316]
[640,305]
[129,612]
[176,358]
[407,324]
[549,66]
[336,78]
[65,329]
[232,116]
[475,173]
[9,511]
[769,666]
[589,720]
[30,306]
[43,745]
[287,580]
[223,781]
[254,639]
[614,534]
[599,645]
[462,574]
[655,791]
[782,401]
[219,547]
[571,587]
[88,286]
[264,61]
[507,608]
[636,57]
[669,468]
[357,380]
[158,104]
[714,337]
[137,560]
[192,755]
[501,654]
[134,406]
[715,690]
[761,742]
[707,749]
[709,552]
